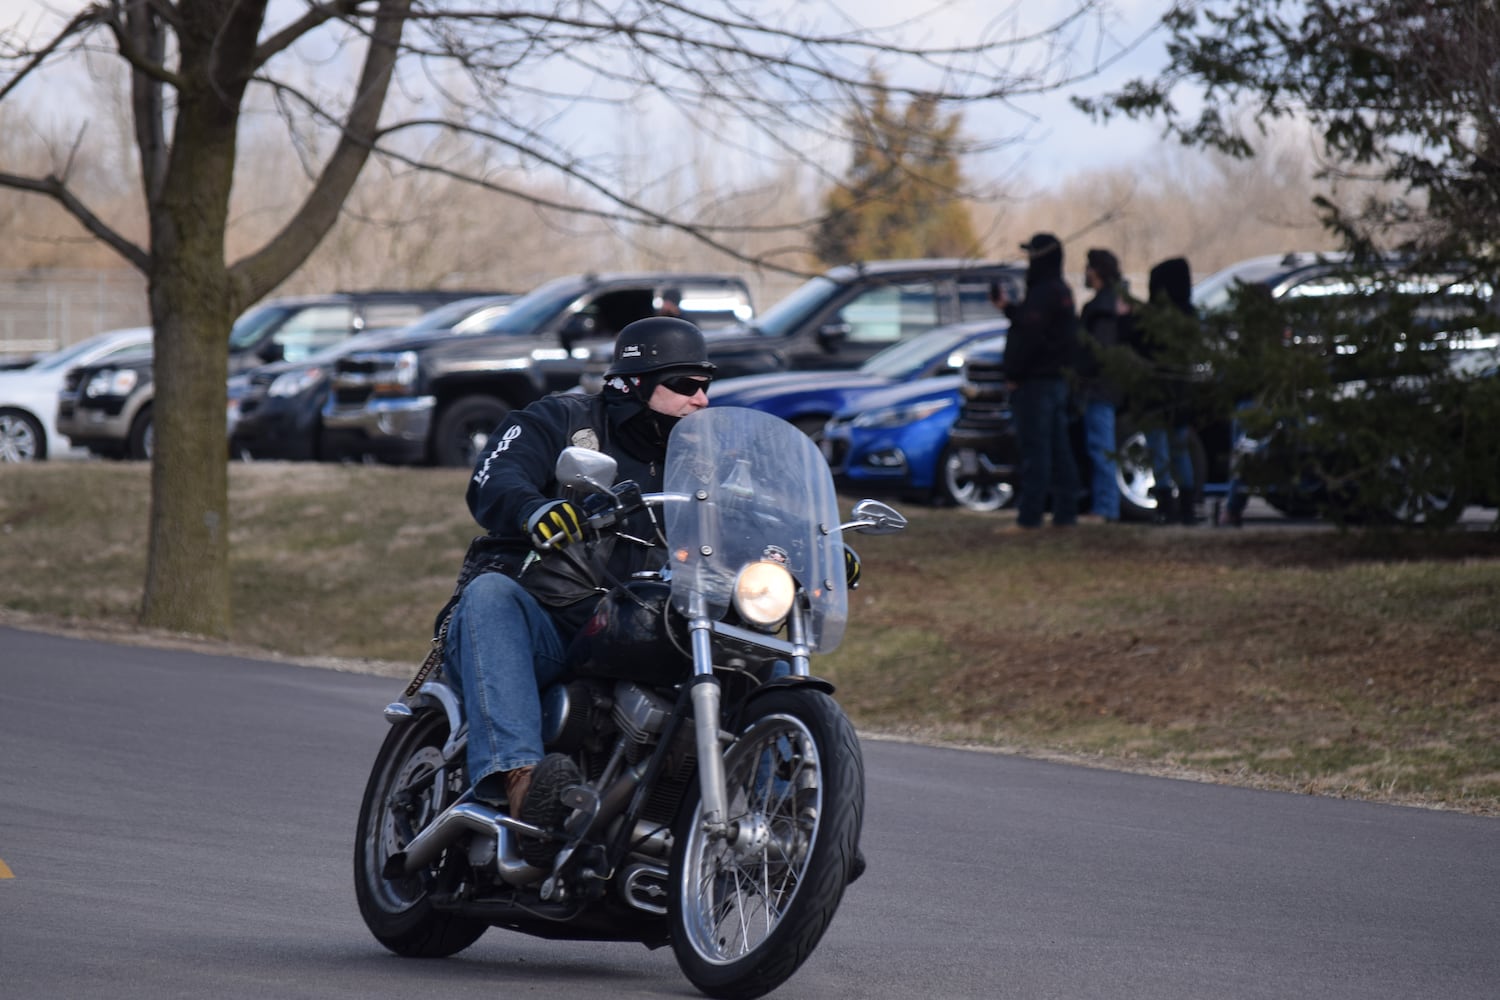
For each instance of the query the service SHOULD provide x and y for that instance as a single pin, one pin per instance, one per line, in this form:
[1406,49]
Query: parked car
[108,409]
[28,396]
[436,400]
[894,441]
[808,399]
[276,411]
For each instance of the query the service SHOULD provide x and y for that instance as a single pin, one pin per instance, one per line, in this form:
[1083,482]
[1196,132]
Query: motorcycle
[724,786]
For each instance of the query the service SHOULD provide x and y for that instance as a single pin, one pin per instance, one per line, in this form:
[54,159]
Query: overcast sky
[1059,140]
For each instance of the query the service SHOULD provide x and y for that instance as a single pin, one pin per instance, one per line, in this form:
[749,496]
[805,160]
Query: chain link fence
[42,310]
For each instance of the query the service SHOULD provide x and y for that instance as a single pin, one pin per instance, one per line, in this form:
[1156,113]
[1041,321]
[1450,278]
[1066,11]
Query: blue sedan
[809,398]
[895,441]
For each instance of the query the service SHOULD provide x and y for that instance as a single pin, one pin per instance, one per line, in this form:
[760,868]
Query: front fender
[777,684]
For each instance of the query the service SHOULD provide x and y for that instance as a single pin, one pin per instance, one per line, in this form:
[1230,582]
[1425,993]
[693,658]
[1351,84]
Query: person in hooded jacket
[515,614]
[1039,349]
[1169,427]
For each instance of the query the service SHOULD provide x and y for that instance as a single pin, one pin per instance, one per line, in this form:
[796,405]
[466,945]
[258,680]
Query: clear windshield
[249,328]
[792,311]
[765,487]
[906,358]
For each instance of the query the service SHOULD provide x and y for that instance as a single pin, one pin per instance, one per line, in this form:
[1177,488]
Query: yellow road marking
[5,871]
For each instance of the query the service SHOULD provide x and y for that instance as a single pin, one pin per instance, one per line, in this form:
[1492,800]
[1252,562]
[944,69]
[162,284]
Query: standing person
[1169,429]
[1039,347]
[1099,397]
[513,618]
[669,303]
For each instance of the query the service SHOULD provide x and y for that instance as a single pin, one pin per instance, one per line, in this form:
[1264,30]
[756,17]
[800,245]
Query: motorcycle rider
[512,619]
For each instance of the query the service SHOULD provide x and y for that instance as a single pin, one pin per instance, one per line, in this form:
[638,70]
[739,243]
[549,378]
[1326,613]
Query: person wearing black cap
[1039,349]
[514,614]
[1102,317]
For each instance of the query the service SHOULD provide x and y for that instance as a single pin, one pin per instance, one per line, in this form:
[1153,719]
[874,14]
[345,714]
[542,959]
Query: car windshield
[451,315]
[537,306]
[788,314]
[66,357]
[906,358]
[249,328]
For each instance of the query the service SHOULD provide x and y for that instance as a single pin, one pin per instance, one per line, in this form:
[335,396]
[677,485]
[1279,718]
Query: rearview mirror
[871,517]
[585,468]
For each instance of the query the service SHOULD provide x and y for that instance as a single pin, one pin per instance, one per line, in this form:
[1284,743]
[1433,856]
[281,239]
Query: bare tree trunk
[193,305]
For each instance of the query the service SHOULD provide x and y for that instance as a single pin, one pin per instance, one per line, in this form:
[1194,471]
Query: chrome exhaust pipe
[473,817]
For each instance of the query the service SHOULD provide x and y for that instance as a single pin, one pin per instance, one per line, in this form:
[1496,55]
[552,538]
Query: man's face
[679,395]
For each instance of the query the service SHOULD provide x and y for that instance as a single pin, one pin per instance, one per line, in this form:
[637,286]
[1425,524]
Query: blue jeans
[1040,410]
[1099,428]
[1171,459]
[502,649]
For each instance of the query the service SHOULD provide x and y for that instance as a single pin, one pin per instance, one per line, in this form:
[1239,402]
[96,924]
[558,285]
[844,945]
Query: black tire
[463,428]
[142,440]
[960,483]
[21,437]
[408,788]
[743,922]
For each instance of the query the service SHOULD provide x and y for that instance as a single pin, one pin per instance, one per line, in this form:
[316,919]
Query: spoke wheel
[408,787]
[748,910]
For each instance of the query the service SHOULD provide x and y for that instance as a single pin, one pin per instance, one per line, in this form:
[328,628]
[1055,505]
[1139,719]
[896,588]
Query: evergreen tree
[903,195]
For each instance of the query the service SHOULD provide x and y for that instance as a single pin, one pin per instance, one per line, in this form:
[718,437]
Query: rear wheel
[409,787]
[21,437]
[749,909]
[463,428]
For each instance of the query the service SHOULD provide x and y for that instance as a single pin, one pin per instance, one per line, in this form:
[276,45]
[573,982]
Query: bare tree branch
[80,23]
[55,188]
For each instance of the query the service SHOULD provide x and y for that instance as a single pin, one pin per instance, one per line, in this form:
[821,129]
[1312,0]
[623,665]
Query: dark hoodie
[1044,325]
[514,473]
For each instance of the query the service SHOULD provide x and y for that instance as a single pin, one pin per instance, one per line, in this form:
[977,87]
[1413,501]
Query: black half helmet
[658,343]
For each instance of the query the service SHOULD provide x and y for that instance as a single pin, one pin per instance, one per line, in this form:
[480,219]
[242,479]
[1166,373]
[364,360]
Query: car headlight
[397,375]
[112,382]
[293,383]
[900,416]
[763,594]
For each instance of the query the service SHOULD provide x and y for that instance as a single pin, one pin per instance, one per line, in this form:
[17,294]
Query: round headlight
[763,594]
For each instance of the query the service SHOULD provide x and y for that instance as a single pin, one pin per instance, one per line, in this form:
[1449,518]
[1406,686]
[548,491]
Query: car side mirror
[586,469]
[831,336]
[272,351]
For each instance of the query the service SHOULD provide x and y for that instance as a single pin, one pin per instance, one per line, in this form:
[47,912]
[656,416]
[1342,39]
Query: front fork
[710,739]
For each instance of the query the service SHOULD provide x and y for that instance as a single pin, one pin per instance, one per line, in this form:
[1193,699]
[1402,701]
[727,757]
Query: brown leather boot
[517,784]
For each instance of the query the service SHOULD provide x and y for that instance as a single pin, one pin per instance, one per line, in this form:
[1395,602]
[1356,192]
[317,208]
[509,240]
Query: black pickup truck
[435,400]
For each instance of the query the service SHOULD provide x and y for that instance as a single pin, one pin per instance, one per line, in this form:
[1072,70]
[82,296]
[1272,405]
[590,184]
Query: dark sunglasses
[686,385]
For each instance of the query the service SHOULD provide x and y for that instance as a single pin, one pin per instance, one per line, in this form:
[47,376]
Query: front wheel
[748,910]
[408,787]
[463,428]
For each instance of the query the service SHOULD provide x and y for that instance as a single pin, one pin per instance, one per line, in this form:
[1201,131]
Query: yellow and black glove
[555,525]
[851,567]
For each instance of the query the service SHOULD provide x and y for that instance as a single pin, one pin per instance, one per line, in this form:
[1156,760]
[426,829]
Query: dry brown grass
[1294,658]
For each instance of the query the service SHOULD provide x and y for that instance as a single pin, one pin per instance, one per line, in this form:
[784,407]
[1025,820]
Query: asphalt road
[180,825]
